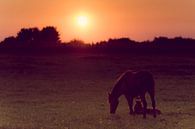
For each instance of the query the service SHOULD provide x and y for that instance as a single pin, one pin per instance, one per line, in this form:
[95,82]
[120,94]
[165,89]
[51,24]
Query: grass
[70,91]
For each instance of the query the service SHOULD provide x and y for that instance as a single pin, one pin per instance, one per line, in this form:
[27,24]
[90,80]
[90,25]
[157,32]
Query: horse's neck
[117,91]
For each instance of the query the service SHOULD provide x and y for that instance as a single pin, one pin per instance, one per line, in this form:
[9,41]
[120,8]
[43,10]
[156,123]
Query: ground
[69,91]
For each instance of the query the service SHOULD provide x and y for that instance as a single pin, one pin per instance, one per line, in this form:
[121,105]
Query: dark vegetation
[47,39]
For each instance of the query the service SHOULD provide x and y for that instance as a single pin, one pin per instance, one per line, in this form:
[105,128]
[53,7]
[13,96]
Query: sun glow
[82,21]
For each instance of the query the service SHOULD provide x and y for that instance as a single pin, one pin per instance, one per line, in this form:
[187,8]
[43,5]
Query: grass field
[70,91]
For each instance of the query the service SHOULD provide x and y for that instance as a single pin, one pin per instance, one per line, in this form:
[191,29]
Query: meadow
[69,91]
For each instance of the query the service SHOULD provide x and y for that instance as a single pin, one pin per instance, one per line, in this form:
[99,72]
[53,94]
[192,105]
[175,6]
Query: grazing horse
[131,85]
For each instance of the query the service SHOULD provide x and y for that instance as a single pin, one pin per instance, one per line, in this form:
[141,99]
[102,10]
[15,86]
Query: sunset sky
[100,19]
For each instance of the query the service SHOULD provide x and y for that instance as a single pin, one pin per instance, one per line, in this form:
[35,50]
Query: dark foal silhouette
[133,84]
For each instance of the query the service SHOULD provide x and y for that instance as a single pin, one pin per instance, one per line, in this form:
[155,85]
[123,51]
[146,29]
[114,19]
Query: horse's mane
[120,80]
[123,74]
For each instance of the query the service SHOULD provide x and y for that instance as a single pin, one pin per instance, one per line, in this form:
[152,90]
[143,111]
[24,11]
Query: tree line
[49,37]
[33,37]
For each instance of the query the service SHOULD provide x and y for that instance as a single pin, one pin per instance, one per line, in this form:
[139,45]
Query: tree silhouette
[49,36]
[33,37]
[27,37]
[10,41]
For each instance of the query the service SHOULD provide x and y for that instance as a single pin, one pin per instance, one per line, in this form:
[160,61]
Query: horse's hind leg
[144,104]
[130,103]
[153,103]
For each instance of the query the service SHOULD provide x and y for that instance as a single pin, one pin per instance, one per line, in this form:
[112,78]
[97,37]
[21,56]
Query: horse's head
[113,101]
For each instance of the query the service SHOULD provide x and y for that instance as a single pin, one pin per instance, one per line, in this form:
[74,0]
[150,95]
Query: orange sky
[137,19]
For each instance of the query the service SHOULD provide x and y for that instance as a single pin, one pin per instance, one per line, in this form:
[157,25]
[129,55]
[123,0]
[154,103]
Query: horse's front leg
[130,103]
[144,104]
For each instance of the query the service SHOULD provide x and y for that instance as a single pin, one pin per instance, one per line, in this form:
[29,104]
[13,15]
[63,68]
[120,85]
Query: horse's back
[144,77]
[141,81]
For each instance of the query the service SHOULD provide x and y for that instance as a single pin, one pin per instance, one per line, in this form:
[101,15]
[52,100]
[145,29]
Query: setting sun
[82,21]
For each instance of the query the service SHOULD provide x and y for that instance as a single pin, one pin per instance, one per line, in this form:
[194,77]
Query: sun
[82,21]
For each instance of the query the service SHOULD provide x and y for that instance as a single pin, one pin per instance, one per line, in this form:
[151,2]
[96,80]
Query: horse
[132,84]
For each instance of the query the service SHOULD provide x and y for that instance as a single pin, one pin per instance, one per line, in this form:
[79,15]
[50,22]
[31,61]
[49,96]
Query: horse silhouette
[133,84]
